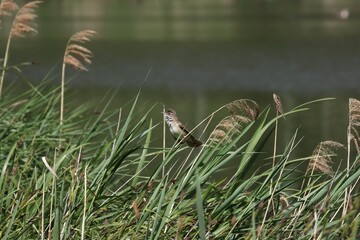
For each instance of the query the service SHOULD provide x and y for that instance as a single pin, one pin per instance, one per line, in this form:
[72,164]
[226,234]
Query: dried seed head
[135,208]
[7,7]
[75,54]
[242,112]
[82,36]
[278,104]
[219,135]
[356,145]
[284,202]
[354,120]
[354,111]
[240,120]
[228,124]
[70,60]
[225,130]
[244,107]
[233,220]
[321,158]
[24,23]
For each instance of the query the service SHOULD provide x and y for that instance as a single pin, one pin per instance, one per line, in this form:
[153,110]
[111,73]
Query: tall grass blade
[143,155]
[160,218]
[200,209]
[9,224]
[84,208]
[48,166]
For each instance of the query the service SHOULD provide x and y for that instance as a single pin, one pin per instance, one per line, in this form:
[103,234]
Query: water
[200,55]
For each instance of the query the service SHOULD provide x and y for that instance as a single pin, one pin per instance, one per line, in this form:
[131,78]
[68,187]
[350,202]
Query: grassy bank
[83,178]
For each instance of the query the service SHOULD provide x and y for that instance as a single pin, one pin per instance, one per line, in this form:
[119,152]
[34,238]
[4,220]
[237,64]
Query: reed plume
[22,26]
[244,107]
[225,129]
[243,111]
[7,7]
[321,157]
[354,120]
[24,23]
[278,104]
[279,111]
[352,135]
[76,56]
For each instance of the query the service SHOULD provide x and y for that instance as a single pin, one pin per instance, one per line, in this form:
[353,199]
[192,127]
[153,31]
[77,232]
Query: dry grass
[24,23]
[270,203]
[278,104]
[244,107]
[77,55]
[223,131]
[354,120]
[321,157]
[242,112]
[7,7]
[352,135]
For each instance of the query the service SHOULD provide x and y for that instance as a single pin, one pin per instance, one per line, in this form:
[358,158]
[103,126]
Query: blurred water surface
[203,54]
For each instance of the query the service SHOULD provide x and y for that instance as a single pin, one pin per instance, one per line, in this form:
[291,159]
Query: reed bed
[84,177]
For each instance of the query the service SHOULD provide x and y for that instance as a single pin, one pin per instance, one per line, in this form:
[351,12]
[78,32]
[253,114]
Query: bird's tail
[193,142]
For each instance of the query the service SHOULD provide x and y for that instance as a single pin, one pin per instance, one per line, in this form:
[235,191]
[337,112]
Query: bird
[178,130]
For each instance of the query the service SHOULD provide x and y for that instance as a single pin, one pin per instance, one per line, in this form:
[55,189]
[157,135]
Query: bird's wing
[182,127]
[190,139]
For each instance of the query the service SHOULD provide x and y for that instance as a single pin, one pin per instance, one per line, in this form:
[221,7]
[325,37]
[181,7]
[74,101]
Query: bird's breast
[175,130]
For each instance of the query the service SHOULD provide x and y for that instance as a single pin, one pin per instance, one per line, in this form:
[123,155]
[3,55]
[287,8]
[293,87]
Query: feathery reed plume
[354,119]
[76,56]
[22,25]
[218,135]
[242,112]
[244,107]
[225,129]
[321,157]
[7,7]
[278,104]
[279,111]
[352,134]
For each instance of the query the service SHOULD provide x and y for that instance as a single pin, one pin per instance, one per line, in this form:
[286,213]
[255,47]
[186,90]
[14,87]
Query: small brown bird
[178,129]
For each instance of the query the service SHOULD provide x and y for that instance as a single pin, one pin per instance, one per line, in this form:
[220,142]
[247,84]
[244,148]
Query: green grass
[100,191]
